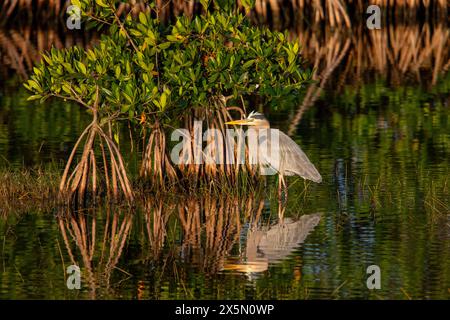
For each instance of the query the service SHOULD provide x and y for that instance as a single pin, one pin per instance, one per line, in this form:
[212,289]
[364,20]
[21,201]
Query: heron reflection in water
[286,157]
[270,245]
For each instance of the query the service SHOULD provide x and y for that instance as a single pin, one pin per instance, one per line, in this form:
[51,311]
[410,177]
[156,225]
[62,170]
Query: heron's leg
[280,181]
[266,190]
[285,189]
[281,210]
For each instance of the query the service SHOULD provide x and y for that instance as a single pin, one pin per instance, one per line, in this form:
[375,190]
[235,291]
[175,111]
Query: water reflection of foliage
[418,51]
[156,215]
[401,54]
[211,226]
[277,12]
[411,247]
[79,230]
[21,46]
[214,238]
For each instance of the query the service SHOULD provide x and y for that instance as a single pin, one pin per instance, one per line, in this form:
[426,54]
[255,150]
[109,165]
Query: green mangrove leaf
[34,97]
[101,3]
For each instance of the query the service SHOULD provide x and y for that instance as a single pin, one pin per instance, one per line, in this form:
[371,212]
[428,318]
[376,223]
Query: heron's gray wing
[292,160]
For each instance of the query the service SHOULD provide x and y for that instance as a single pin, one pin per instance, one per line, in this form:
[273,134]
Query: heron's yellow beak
[239,122]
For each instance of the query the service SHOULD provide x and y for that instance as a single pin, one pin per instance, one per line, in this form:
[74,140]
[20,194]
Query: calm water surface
[383,150]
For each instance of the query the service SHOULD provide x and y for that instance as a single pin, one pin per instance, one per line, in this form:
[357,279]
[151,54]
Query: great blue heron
[291,160]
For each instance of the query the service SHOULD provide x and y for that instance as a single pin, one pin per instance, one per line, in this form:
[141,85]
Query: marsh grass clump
[27,189]
[156,78]
[436,202]
[32,189]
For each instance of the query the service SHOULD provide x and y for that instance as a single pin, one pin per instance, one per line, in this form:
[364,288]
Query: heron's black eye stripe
[257,117]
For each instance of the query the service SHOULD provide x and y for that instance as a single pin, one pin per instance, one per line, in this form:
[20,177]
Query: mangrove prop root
[157,166]
[75,187]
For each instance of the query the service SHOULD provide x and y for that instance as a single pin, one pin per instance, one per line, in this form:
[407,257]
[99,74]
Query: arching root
[87,174]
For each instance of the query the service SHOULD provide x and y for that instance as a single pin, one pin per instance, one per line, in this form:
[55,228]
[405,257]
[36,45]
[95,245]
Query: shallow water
[382,147]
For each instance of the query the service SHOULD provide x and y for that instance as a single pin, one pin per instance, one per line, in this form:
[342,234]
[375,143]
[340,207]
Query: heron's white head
[254,119]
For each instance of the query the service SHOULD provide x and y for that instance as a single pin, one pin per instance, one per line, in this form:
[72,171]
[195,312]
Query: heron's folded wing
[292,160]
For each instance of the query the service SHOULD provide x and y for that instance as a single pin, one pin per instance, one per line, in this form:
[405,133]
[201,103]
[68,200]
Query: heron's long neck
[262,126]
[262,129]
